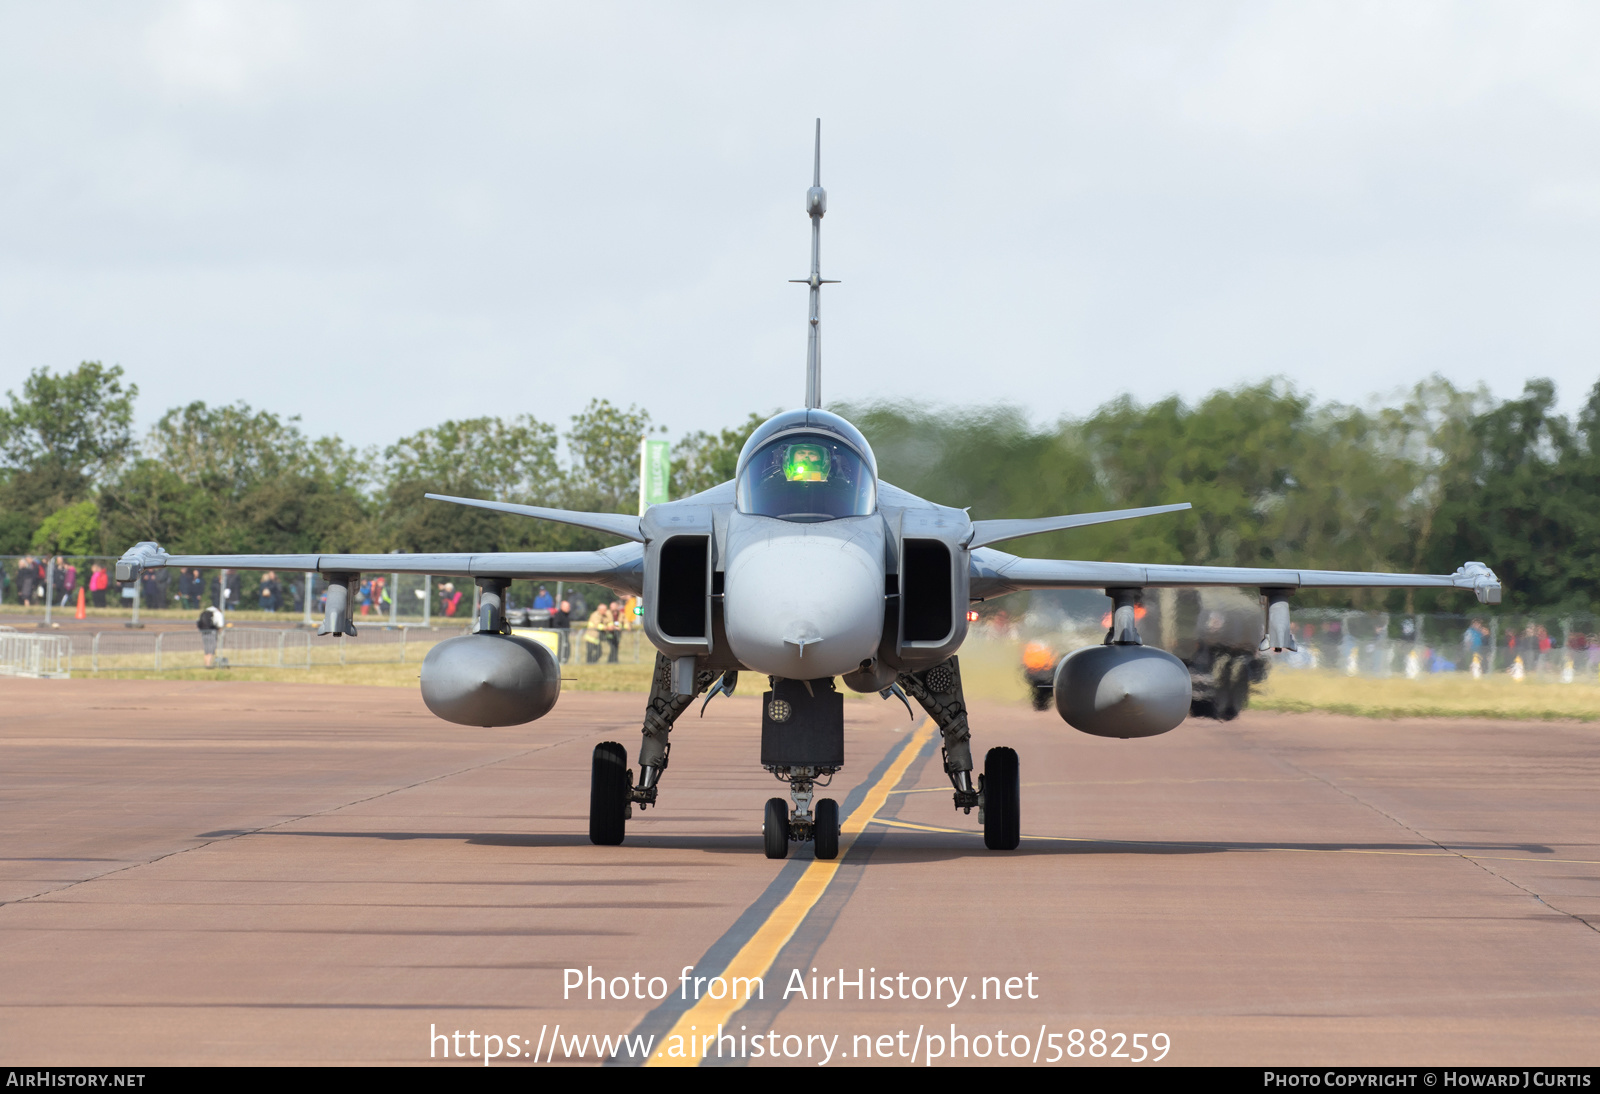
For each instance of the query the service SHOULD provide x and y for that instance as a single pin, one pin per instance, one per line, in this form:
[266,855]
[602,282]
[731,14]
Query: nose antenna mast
[816,206]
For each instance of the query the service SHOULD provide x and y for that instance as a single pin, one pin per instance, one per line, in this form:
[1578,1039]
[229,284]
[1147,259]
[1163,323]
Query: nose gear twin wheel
[825,836]
[777,832]
[610,789]
[775,828]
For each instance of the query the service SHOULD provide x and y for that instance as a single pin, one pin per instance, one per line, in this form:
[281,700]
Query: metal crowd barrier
[1552,647]
[39,655]
[121,651]
[1563,648]
[237,647]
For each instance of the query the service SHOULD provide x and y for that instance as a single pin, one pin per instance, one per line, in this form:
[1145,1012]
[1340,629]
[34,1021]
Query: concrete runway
[258,873]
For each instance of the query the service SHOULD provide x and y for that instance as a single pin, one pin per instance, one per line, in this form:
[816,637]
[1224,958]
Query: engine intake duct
[925,586]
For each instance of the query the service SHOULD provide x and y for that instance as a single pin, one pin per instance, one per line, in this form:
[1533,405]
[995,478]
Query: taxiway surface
[261,873]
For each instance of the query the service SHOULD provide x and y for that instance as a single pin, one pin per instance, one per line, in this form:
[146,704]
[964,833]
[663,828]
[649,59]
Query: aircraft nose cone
[803,607]
[802,632]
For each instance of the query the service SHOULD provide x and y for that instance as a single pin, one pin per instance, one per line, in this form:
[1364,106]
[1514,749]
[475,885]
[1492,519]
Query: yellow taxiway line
[758,954]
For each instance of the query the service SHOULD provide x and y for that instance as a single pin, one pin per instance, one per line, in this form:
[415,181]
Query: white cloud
[452,210]
[224,47]
[1566,201]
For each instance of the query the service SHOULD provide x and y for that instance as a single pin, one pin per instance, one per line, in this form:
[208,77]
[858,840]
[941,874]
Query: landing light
[972,617]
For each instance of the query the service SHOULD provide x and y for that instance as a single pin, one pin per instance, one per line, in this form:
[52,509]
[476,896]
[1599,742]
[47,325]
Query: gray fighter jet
[807,568]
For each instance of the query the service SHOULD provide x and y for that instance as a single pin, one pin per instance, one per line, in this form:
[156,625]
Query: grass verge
[1447,695]
[990,670]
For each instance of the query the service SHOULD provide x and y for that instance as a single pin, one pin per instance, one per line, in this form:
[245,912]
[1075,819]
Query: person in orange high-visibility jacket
[1039,670]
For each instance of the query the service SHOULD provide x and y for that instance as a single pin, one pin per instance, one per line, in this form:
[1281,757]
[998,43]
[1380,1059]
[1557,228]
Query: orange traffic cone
[82,612]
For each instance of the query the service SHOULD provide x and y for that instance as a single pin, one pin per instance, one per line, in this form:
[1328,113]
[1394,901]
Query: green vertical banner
[655,462]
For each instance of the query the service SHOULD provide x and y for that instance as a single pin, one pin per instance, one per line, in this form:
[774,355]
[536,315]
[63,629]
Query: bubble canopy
[807,465]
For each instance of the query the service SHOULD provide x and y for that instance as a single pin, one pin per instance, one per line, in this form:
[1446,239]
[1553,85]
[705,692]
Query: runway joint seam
[1443,847]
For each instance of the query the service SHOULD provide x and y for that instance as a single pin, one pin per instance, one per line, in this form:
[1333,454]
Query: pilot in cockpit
[806,463]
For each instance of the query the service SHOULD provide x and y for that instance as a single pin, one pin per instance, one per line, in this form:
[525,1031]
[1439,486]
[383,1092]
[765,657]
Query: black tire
[825,835]
[1234,691]
[775,829]
[1002,791]
[1241,692]
[608,795]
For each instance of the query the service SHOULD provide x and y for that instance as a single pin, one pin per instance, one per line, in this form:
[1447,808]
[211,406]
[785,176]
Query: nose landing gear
[784,826]
[802,742]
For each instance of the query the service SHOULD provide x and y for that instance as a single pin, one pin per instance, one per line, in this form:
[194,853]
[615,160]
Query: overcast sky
[381,215]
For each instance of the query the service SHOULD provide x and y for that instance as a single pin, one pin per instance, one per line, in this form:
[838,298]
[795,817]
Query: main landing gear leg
[938,691]
[660,712]
[996,796]
[612,791]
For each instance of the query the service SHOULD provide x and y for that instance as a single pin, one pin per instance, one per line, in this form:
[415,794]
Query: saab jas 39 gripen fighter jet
[807,568]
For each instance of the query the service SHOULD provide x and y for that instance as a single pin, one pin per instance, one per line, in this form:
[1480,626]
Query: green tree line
[1277,479]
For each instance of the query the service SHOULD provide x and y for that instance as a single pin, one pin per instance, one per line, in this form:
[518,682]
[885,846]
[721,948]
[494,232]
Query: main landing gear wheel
[608,794]
[825,832]
[1238,693]
[775,829]
[1002,793]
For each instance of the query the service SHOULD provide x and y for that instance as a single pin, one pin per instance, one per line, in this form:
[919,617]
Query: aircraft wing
[620,568]
[985,532]
[613,524]
[995,573]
